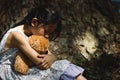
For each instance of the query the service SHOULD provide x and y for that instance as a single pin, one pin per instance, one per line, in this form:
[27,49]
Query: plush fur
[22,62]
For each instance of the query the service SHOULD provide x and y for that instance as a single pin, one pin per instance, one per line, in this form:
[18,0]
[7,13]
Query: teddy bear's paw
[21,70]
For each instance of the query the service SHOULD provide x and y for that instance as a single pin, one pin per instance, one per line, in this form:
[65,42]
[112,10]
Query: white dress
[6,65]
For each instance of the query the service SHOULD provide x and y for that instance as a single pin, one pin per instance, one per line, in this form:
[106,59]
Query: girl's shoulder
[16,29]
[16,33]
[13,38]
[16,38]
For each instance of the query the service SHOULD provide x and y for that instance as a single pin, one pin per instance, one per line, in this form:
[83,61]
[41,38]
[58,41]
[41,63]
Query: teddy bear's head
[39,43]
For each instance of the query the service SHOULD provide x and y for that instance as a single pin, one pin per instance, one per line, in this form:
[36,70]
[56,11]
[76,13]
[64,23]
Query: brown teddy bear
[22,62]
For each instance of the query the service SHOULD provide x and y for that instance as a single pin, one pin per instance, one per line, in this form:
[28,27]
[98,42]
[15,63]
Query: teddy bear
[22,63]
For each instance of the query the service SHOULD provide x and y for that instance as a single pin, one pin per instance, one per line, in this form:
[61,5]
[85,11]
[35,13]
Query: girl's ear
[34,22]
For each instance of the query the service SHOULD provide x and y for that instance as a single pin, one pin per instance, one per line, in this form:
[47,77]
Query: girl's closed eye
[50,28]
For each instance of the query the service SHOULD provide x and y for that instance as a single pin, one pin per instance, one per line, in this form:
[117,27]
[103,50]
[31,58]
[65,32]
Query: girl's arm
[22,43]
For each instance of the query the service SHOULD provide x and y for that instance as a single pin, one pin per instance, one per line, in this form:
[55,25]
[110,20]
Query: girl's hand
[47,61]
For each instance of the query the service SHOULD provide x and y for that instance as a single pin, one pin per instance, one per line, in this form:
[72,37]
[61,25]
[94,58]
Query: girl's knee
[80,77]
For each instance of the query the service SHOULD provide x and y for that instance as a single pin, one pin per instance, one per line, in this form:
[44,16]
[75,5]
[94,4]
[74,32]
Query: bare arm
[22,43]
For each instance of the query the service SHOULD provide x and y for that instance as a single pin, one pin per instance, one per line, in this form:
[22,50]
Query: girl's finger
[47,67]
[44,63]
[44,66]
[41,56]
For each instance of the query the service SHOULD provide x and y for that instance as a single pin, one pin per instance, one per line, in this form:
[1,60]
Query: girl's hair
[45,15]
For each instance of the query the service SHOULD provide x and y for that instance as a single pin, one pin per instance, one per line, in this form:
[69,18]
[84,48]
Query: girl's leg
[80,77]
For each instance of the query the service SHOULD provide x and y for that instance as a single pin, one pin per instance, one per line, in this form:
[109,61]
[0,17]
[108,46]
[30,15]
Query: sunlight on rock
[87,45]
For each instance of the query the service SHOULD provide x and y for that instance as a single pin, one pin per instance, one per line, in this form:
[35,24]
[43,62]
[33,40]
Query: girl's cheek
[40,31]
[49,30]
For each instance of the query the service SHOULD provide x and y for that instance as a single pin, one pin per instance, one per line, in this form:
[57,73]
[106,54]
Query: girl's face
[44,30]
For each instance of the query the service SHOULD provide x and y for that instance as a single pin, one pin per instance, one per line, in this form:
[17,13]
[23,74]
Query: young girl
[40,21]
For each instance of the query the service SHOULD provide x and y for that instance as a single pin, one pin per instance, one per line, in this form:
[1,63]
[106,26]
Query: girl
[40,21]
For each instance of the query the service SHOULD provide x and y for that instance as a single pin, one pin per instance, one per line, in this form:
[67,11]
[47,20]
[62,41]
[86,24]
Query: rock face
[90,27]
